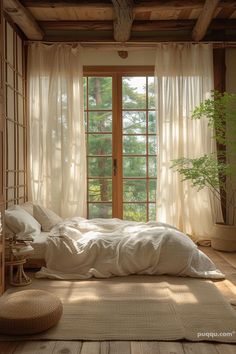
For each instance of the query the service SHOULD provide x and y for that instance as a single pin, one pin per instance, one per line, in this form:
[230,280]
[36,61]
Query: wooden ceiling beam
[147,39]
[76,25]
[138,26]
[221,24]
[23,18]
[62,3]
[168,5]
[141,5]
[162,25]
[144,5]
[123,19]
[204,19]
[103,39]
[179,4]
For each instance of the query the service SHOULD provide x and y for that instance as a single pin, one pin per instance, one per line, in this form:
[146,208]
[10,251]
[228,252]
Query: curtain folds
[183,79]
[57,152]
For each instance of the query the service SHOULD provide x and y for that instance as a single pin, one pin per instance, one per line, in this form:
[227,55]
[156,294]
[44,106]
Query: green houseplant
[217,171]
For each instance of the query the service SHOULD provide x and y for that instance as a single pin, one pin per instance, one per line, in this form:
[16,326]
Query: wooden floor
[226,263]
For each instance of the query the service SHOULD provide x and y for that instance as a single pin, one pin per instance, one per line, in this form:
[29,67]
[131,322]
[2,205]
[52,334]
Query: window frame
[117,72]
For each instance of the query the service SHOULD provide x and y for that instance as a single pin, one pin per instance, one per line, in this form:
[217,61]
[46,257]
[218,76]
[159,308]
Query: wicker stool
[28,312]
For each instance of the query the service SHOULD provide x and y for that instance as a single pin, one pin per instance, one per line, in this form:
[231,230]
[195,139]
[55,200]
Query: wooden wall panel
[219,69]
[219,85]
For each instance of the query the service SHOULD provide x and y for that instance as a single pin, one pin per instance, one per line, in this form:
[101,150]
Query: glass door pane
[98,122]
[139,148]
[121,146]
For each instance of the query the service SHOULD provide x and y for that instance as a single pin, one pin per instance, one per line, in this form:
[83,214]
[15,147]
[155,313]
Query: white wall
[98,57]
[105,57]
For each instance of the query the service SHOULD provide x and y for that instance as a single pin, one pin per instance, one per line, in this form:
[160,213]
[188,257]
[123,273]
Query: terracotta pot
[224,238]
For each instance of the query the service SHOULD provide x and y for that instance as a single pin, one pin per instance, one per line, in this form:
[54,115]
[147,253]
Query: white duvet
[80,249]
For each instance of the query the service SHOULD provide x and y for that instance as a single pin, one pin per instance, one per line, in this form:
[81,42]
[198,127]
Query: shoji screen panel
[16,123]
[2,144]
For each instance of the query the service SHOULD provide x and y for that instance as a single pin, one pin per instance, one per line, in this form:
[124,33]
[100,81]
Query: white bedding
[80,249]
[39,245]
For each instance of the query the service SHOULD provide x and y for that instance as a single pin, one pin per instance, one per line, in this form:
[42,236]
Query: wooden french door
[121,142]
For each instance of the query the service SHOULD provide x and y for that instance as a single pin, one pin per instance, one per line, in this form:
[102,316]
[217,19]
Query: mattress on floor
[39,245]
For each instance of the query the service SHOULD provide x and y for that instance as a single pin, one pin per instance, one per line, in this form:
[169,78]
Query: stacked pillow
[24,225]
[46,217]
[27,220]
[28,206]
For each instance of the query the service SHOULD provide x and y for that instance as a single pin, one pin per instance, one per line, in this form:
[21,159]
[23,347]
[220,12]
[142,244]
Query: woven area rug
[139,308]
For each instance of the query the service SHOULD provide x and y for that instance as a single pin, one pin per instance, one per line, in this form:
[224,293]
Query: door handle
[114,166]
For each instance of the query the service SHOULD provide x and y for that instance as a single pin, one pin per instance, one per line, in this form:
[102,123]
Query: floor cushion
[28,312]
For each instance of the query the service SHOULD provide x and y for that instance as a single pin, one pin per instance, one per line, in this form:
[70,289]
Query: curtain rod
[132,45]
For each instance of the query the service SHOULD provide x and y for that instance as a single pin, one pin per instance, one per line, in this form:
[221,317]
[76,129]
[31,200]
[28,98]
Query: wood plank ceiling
[125,20]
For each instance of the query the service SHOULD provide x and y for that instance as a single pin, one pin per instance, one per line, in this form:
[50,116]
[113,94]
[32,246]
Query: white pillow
[22,223]
[28,206]
[46,217]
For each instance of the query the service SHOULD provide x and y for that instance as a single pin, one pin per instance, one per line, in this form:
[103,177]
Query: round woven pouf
[28,312]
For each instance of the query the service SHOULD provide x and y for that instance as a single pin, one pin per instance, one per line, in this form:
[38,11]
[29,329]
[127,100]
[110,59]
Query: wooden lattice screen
[15,119]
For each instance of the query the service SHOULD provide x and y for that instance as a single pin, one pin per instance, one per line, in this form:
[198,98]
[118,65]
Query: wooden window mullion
[117,193]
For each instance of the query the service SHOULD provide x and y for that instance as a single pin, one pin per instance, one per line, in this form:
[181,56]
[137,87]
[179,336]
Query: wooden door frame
[220,85]
[117,191]
[117,72]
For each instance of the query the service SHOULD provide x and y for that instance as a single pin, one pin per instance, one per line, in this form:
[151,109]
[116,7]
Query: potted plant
[217,171]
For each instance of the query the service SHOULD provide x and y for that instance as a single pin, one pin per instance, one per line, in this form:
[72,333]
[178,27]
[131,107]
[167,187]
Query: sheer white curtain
[57,157]
[183,79]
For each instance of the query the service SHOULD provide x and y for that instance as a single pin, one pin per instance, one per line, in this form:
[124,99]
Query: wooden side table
[17,259]
[20,278]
